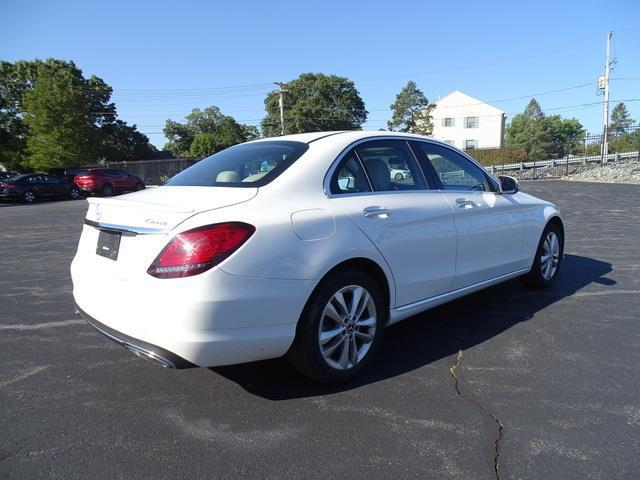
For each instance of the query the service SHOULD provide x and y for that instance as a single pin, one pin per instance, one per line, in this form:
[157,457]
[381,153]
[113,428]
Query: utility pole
[603,84]
[281,103]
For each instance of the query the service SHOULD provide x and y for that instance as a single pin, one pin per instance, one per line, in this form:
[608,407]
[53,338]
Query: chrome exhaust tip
[149,356]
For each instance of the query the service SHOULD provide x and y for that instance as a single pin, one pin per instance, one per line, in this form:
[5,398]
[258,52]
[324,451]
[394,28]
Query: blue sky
[165,58]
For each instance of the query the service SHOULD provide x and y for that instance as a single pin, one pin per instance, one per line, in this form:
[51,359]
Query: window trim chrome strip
[326,182]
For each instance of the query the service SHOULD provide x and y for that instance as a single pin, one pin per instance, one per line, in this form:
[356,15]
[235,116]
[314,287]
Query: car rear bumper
[140,348]
[9,195]
[208,320]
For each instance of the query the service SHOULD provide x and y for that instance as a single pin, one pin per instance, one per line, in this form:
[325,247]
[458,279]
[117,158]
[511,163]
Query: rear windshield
[246,165]
[84,173]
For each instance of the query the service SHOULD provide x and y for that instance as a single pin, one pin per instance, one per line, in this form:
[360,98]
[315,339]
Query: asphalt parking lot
[507,383]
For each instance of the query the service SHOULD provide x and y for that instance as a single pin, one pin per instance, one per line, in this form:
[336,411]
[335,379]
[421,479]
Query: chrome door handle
[465,203]
[376,212]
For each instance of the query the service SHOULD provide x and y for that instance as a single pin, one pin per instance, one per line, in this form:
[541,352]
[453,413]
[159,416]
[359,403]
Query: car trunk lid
[161,209]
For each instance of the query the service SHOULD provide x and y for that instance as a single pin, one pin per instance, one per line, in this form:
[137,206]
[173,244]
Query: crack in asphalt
[498,440]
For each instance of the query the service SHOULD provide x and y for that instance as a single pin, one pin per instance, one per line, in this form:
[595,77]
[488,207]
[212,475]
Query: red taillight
[7,185]
[195,251]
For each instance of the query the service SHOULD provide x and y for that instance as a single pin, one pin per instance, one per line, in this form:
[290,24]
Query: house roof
[460,99]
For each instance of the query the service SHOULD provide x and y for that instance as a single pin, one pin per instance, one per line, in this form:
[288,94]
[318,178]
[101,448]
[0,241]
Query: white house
[466,122]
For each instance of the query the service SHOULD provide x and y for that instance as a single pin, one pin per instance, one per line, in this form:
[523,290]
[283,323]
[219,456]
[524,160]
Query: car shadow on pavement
[430,336]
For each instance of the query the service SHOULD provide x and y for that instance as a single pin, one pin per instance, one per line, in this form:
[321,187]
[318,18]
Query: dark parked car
[30,187]
[106,182]
[6,176]
[66,174]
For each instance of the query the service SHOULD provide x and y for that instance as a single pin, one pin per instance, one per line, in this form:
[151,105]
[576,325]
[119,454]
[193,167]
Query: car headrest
[228,176]
[380,175]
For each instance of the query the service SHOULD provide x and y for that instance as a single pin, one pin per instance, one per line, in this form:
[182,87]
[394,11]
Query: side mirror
[508,184]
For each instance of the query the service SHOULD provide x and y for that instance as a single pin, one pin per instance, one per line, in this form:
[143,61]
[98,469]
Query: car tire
[74,194]
[548,259]
[107,190]
[399,176]
[139,186]
[333,344]
[29,196]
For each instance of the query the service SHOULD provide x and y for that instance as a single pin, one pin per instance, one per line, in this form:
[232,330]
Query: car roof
[351,135]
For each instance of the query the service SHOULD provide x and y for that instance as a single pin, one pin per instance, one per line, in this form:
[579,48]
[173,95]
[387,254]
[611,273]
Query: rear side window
[245,165]
[52,180]
[390,166]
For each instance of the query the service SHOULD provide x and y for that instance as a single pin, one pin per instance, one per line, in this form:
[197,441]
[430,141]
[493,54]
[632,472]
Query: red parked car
[106,182]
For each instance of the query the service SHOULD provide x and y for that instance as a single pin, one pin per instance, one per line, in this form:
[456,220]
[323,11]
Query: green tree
[543,137]
[315,102]
[205,132]
[533,111]
[122,142]
[51,115]
[620,119]
[12,129]
[58,119]
[225,135]
[411,111]
[527,130]
[180,137]
[563,135]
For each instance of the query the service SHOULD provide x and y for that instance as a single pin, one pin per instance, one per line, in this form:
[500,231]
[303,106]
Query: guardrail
[556,162]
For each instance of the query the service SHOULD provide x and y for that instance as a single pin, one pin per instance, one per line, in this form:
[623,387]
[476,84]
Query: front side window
[245,165]
[454,171]
[349,176]
[471,122]
[390,166]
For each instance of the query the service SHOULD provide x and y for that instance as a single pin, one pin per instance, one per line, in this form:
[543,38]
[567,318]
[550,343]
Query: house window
[471,122]
[448,122]
[470,144]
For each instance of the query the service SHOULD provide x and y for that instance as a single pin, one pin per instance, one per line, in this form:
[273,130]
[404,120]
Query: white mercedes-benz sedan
[304,245]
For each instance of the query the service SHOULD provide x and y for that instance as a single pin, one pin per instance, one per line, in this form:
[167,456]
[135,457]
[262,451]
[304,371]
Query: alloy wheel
[347,327]
[550,256]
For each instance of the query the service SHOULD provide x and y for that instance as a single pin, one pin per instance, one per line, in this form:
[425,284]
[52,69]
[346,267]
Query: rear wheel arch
[364,265]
